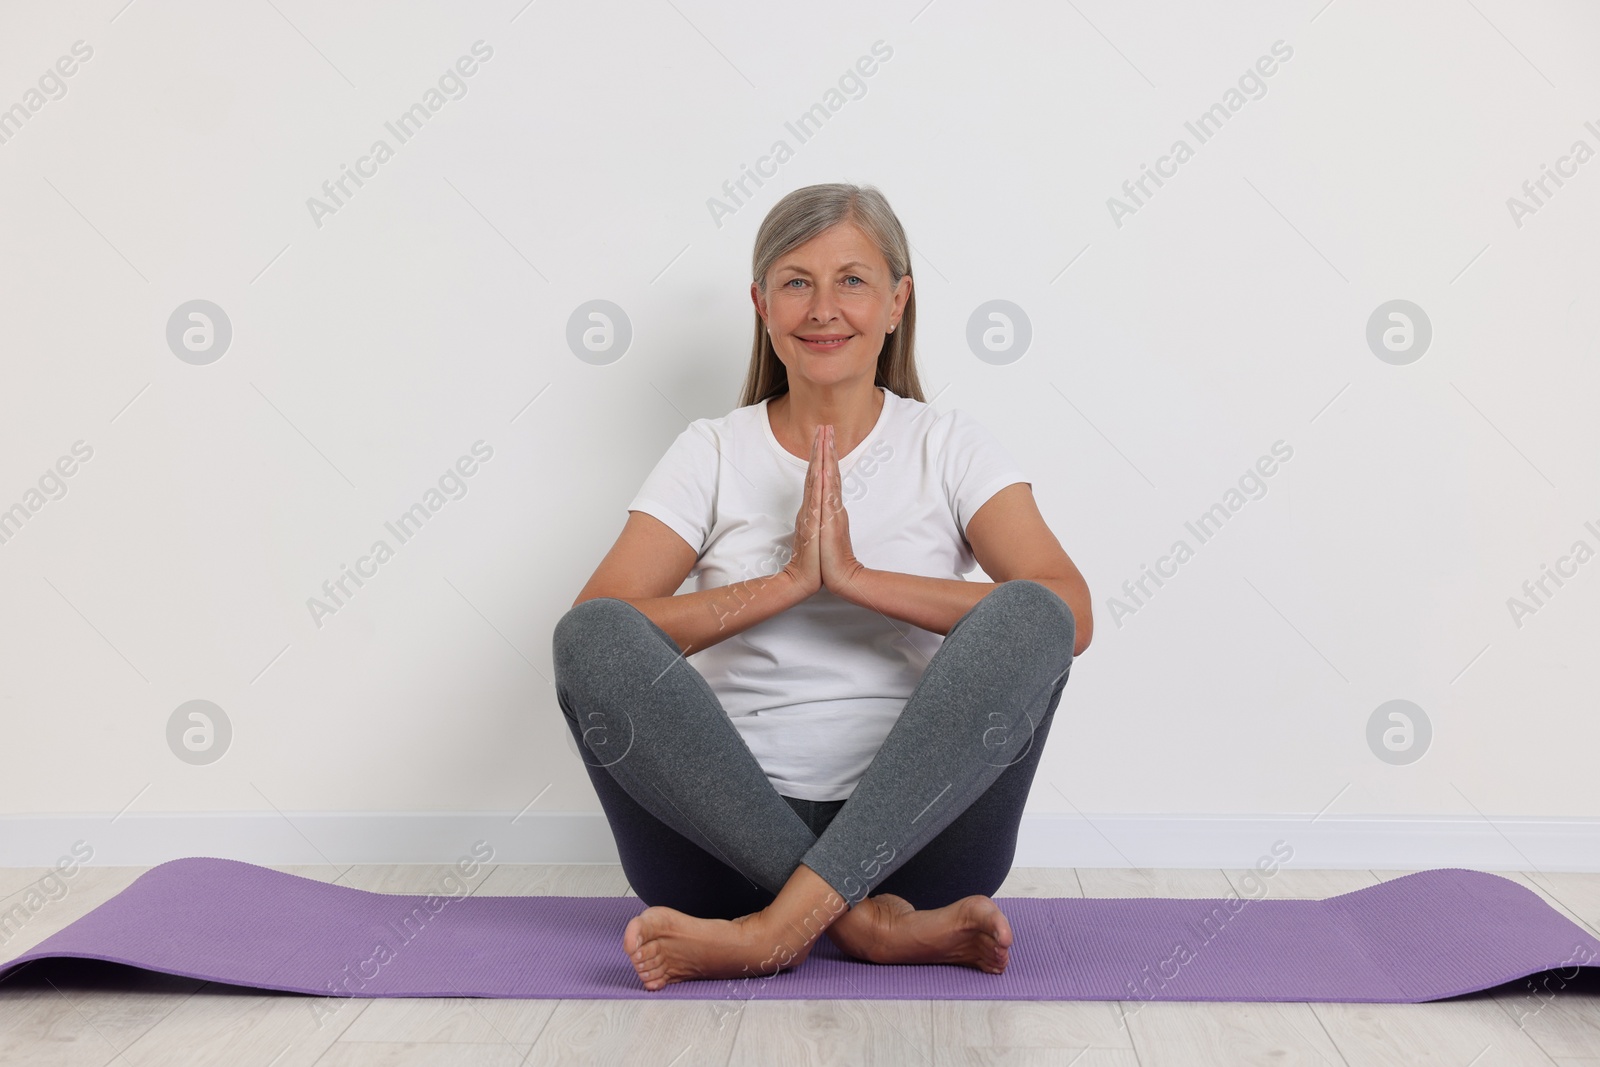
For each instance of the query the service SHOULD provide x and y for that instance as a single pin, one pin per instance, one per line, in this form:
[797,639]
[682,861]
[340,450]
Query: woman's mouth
[821,345]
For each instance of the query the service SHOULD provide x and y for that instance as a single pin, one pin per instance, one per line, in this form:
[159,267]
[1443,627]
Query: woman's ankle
[804,909]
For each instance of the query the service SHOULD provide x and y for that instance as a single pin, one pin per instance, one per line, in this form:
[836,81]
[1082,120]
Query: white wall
[1172,346]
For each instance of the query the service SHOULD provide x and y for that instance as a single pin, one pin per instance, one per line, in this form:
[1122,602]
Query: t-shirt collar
[846,461]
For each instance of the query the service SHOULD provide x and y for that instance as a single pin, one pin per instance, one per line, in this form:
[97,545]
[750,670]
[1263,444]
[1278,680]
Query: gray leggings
[933,819]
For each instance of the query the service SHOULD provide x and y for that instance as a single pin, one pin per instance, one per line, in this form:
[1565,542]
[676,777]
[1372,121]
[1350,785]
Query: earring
[891,328]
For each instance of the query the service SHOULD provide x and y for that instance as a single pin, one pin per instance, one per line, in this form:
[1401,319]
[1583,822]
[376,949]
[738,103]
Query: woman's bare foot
[972,932]
[666,945]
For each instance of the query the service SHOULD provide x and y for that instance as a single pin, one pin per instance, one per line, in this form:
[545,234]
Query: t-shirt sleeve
[681,490]
[976,467]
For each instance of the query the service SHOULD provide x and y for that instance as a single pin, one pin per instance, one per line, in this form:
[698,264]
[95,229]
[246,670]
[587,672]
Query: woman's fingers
[831,469]
[805,561]
[807,558]
[830,474]
[823,481]
[819,483]
[811,478]
[819,443]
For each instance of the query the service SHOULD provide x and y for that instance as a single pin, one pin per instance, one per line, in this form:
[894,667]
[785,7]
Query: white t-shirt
[815,689]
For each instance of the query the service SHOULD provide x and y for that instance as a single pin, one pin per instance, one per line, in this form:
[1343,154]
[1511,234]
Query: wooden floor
[139,1019]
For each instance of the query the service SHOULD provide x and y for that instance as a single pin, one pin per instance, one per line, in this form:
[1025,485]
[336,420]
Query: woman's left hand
[839,563]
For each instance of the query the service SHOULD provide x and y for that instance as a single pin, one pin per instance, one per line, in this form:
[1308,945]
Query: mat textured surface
[1423,936]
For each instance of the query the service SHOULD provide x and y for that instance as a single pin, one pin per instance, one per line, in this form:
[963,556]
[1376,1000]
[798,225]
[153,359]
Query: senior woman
[835,732]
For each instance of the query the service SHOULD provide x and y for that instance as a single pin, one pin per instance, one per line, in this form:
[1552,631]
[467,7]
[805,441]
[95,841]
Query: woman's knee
[590,627]
[583,621]
[1041,604]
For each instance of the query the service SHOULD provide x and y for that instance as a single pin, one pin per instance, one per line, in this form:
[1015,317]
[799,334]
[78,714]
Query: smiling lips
[824,344]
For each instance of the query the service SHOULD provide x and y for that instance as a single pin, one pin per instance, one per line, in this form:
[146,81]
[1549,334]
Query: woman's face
[829,303]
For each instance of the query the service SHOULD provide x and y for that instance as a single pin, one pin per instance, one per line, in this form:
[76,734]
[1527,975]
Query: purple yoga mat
[1422,936]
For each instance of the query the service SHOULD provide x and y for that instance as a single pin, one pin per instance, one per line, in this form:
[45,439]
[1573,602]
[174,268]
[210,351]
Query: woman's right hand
[805,564]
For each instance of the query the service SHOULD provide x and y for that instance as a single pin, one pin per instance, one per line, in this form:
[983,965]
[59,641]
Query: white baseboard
[1373,842]
[1388,842]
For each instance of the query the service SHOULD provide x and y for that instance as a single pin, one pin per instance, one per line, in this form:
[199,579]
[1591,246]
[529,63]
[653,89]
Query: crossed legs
[702,833]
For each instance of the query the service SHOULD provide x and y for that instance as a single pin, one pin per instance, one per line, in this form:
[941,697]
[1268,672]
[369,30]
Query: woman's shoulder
[927,420]
[720,429]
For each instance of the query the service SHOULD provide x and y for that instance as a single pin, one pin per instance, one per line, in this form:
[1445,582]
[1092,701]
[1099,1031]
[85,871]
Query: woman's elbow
[1082,618]
[1074,593]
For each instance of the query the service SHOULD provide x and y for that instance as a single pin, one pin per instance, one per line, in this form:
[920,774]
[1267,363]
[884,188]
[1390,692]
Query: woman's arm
[650,561]
[1010,540]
